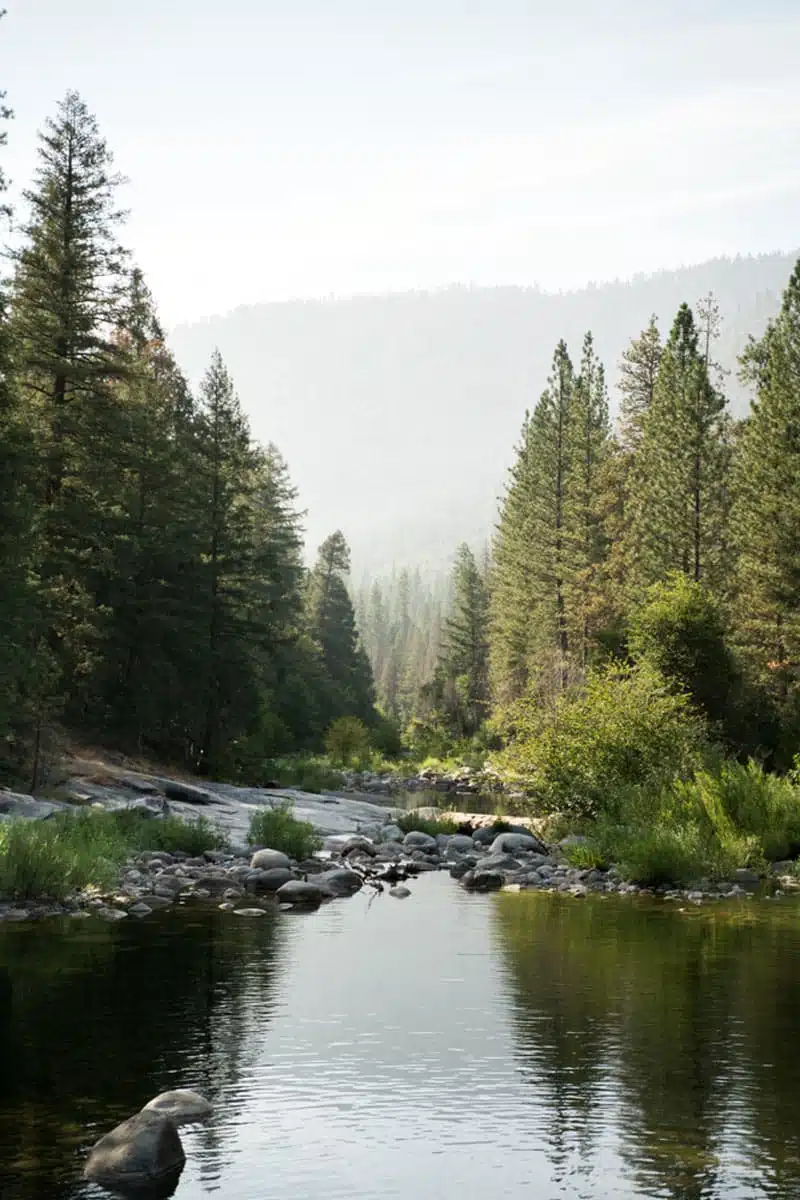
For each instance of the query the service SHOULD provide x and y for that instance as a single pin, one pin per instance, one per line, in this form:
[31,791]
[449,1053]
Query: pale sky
[310,147]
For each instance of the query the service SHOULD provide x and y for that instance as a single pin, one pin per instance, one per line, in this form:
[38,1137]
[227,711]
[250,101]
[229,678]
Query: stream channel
[446,1046]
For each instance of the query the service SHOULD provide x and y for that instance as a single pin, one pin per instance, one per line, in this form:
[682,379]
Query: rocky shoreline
[362,848]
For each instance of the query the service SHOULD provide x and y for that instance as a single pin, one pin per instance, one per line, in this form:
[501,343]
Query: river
[444,1047]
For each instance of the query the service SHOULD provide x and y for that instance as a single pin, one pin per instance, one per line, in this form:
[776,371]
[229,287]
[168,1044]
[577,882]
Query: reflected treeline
[680,1027]
[97,1019]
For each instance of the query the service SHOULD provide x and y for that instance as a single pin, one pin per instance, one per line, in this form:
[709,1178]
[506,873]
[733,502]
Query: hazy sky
[310,147]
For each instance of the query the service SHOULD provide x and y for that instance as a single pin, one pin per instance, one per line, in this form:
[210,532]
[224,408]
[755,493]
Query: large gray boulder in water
[180,1106]
[143,1152]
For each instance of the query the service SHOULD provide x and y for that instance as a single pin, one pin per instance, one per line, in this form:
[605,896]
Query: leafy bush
[586,856]
[347,742]
[627,727]
[278,829]
[680,632]
[727,815]
[386,737]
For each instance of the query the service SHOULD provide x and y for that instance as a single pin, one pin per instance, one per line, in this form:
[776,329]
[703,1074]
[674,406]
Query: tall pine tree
[679,494]
[766,516]
[331,624]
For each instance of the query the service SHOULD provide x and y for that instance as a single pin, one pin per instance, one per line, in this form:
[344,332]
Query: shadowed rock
[300,894]
[144,1152]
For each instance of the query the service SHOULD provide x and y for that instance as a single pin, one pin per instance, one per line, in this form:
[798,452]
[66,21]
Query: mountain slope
[398,413]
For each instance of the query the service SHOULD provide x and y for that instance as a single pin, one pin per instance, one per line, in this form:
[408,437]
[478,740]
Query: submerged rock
[143,1152]
[399,892]
[181,1106]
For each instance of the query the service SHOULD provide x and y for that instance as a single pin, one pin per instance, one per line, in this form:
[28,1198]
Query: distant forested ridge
[398,412]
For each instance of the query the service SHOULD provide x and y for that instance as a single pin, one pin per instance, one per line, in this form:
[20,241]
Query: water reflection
[671,1035]
[98,1019]
[448,1045]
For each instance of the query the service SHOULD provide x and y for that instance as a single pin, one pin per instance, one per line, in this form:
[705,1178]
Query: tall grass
[52,859]
[278,829]
[726,816]
[412,822]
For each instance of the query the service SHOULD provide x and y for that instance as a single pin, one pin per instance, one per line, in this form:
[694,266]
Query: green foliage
[278,829]
[386,736]
[679,630]
[456,698]
[170,833]
[766,518]
[53,858]
[724,816]
[347,742]
[307,773]
[415,822]
[626,727]
[679,497]
[345,672]
[587,855]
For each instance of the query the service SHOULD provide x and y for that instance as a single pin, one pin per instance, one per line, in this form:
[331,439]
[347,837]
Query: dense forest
[153,592]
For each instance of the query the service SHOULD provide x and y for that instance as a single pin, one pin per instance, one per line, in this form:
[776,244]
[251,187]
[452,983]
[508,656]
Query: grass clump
[727,815]
[411,822]
[48,860]
[170,833]
[51,859]
[278,829]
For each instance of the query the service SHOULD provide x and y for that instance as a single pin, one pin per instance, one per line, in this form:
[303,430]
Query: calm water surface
[446,1046]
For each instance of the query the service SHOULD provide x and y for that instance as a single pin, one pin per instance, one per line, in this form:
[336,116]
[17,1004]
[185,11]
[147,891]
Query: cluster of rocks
[143,1156]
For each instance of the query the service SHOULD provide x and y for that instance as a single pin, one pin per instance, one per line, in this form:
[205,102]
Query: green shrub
[306,774]
[50,859]
[386,737]
[347,742]
[587,856]
[743,800]
[627,727]
[680,632]
[170,833]
[53,858]
[278,829]
[412,822]
[662,855]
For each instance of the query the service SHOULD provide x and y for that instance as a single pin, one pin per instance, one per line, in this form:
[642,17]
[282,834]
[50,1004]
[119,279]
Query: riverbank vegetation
[53,858]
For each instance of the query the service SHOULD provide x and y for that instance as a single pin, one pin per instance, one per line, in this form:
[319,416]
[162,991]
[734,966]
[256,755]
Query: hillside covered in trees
[153,590]
[399,412]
